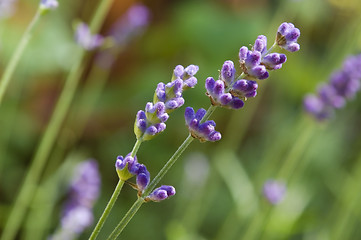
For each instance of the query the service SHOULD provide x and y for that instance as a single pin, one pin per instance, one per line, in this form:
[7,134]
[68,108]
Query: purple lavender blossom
[251,63]
[216,91]
[343,86]
[274,61]
[245,88]
[7,8]
[85,39]
[186,75]
[260,45]
[84,191]
[287,36]
[202,131]
[48,4]
[274,191]
[228,72]
[143,177]
[161,193]
[126,167]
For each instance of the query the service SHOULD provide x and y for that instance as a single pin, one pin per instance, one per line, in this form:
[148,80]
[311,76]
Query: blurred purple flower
[84,191]
[343,86]
[7,8]
[85,39]
[274,191]
[49,4]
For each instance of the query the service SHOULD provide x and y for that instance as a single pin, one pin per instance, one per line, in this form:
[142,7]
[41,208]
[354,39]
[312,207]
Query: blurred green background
[321,162]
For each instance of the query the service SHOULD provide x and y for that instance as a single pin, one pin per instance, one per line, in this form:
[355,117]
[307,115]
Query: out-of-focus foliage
[322,198]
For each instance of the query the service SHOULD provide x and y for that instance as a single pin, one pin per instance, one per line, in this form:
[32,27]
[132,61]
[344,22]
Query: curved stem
[10,68]
[107,210]
[33,174]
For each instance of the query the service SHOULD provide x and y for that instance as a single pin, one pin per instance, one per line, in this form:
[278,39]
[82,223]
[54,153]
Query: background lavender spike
[343,86]
[85,39]
[7,8]
[274,191]
[84,191]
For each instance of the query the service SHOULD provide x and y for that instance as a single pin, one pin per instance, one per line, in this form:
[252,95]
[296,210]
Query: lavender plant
[229,91]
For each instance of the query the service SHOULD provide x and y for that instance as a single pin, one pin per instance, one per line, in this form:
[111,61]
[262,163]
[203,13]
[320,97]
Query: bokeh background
[219,185]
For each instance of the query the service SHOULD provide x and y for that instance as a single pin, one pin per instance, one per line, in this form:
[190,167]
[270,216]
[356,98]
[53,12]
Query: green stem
[136,147]
[133,210]
[209,112]
[33,174]
[107,210]
[10,68]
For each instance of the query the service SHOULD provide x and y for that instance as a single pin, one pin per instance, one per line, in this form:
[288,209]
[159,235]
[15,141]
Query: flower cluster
[202,131]
[128,167]
[274,191]
[86,39]
[167,98]
[84,191]
[343,86]
[231,92]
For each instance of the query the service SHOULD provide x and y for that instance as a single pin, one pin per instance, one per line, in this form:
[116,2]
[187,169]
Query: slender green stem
[128,216]
[133,210]
[10,68]
[209,112]
[107,210]
[33,174]
[136,147]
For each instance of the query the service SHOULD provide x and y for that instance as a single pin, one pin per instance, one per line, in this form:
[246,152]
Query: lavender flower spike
[161,193]
[85,39]
[274,191]
[343,86]
[126,167]
[202,131]
[287,36]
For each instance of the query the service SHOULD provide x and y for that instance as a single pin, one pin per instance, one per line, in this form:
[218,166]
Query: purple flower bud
[216,92]
[191,70]
[202,131]
[143,177]
[228,72]
[191,82]
[85,39]
[274,61]
[245,88]
[260,44]
[287,36]
[251,64]
[126,167]
[178,71]
[274,191]
[161,193]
